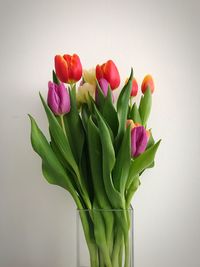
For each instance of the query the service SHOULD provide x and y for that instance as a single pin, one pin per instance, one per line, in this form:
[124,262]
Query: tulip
[138,140]
[109,72]
[86,87]
[84,90]
[134,90]
[89,76]
[131,123]
[147,83]
[68,68]
[103,83]
[58,98]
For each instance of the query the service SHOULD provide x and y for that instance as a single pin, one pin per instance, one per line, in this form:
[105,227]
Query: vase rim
[107,209]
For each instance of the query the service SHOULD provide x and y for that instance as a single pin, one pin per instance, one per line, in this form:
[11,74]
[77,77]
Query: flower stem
[62,124]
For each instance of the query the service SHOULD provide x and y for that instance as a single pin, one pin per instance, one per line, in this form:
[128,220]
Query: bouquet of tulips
[98,149]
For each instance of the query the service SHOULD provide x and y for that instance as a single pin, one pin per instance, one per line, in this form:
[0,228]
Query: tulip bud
[138,141]
[109,72]
[134,90]
[68,68]
[103,83]
[84,90]
[58,98]
[147,83]
[131,123]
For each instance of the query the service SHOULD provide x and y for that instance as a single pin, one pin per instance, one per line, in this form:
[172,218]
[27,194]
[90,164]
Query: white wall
[37,221]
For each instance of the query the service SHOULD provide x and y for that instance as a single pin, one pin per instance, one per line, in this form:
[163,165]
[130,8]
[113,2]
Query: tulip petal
[53,98]
[64,106]
[75,67]
[99,72]
[104,88]
[111,74]
[147,83]
[138,141]
[61,68]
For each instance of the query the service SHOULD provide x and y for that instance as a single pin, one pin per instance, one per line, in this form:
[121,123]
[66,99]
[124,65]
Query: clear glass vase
[105,238]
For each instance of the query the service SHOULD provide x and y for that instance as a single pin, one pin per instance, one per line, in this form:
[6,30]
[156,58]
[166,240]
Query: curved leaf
[108,155]
[135,115]
[145,106]
[74,128]
[52,168]
[143,161]
[122,165]
[95,155]
[123,106]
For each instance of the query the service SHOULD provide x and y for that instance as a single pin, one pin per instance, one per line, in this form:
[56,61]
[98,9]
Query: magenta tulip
[103,83]
[58,98]
[138,140]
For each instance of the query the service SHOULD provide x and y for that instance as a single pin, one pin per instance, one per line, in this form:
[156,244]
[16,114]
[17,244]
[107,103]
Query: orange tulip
[147,83]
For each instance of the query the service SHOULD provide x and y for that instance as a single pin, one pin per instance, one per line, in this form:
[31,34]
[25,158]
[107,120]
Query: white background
[37,220]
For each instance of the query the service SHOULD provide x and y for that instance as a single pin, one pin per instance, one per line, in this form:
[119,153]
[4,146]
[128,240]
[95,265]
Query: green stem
[101,260]
[93,250]
[127,250]
[117,245]
[62,124]
[121,254]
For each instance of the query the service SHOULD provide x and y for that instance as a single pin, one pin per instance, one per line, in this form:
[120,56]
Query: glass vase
[105,238]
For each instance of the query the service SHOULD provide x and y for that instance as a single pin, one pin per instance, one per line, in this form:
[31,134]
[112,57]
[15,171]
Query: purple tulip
[104,88]
[138,140]
[58,98]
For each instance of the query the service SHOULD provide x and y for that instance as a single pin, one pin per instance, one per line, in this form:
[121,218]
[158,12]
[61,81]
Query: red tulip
[109,72]
[134,90]
[147,83]
[68,68]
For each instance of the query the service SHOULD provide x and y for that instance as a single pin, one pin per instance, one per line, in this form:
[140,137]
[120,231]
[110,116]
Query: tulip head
[58,98]
[89,76]
[103,84]
[134,90]
[147,83]
[68,68]
[109,72]
[83,93]
[138,140]
[86,87]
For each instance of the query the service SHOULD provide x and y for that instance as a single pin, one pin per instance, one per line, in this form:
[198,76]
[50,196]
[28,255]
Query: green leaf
[55,78]
[62,144]
[85,114]
[53,170]
[101,97]
[123,106]
[107,109]
[132,189]
[143,161]
[108,156]
[95,155]
[74,128]
[135,115]
[145,106]
[109,113]
[60,139]
[151,141]
[122,165]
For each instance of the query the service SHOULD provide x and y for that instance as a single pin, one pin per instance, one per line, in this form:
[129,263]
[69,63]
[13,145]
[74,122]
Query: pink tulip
[139,140]
[58,98]
[103,83]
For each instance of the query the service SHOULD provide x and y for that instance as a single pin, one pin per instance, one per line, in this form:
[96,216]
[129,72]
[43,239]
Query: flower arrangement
[98,149]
